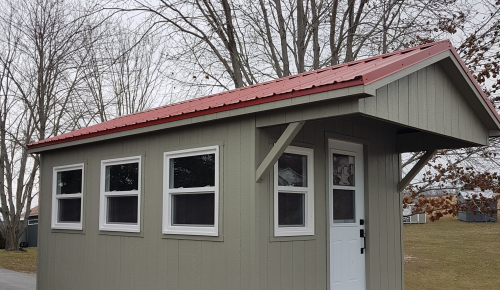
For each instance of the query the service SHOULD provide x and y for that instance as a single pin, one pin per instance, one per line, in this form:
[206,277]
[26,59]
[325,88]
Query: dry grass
[451,254]
[19,261]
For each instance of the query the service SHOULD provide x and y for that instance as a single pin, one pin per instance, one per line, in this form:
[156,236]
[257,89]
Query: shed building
[29,238]
[187,196]
[413,218]
[472,215]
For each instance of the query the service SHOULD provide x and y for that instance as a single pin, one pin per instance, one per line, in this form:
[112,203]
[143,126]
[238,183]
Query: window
[191,192]
[67,197]
[294,193]
[120,195]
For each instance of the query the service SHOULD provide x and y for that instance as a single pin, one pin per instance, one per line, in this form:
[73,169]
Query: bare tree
[39,78]
[218,45]
[125,72]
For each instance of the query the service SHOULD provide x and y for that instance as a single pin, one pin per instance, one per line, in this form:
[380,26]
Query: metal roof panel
[358,72]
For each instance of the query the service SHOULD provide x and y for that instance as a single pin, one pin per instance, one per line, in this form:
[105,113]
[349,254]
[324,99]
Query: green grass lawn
[451,254]
[19,261]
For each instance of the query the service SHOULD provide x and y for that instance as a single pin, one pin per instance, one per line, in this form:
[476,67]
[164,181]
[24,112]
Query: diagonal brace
[414,171]
[278,149]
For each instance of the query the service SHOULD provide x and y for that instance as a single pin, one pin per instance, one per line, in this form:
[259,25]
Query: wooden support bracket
[414,171]
[278,149]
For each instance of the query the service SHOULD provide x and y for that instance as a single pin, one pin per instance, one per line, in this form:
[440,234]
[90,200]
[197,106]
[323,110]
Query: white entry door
[347,218]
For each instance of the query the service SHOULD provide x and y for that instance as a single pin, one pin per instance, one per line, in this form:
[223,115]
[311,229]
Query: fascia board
[371,88]
[492,121]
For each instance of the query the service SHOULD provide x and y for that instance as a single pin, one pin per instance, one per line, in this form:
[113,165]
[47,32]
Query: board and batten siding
[427,100]
[92,259]
[246,255]
[302,262]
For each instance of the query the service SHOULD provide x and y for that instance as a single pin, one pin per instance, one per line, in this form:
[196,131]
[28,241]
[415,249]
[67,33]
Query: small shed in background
[475,215]
[409,218]
[30,235]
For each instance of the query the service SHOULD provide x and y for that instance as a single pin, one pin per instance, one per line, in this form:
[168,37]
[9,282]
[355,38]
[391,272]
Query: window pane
[193,209]
[343,170]
[292,170]
[122,209]
[343,206]
[70,209]
[69,182]
[122,177]
[193,171]
[291,209]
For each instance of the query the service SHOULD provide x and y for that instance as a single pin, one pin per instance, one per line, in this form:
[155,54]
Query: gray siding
[302,262]
[98,260]
[246,255]
[428,100]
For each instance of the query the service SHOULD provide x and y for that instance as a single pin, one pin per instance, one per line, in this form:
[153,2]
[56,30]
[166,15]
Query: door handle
[363,235]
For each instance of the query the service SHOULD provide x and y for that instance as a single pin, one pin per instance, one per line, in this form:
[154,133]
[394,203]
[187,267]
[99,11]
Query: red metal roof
[362,72]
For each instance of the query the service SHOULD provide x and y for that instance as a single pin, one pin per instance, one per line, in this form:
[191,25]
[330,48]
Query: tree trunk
[284,45]
[232,47]
[333,29]
[301,36]
[350,32]
[277,66]
[11,239]
[315,28]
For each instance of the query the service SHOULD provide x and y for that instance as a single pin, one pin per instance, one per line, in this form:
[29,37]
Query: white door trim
[346,263]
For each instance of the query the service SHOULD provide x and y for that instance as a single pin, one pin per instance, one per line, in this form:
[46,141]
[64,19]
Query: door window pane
[291,209]
[192,171]
[193,209]
[69,182]
[69,209]
[343,206]
[122,177]
[343,170]
[292,170]
[122,209]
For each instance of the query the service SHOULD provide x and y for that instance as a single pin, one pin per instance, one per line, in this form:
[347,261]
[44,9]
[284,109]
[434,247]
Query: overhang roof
[361,72]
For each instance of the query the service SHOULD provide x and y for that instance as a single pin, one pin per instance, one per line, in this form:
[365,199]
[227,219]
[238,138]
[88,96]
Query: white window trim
[308,228]
[55,198]
[167,227]
[103,205]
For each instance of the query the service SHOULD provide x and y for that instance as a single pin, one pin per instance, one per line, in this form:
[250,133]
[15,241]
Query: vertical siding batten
[403,100]
[422,98]
[232,204]
[393,101]
[382,210]
[413,100]
[431,98]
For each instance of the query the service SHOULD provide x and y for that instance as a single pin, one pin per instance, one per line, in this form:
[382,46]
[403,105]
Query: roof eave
[348,88]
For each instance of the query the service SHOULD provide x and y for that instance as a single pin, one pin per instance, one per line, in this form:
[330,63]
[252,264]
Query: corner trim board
[278,149]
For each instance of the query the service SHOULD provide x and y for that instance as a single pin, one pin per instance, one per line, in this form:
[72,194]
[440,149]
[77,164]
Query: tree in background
[219,45]
[66,64]
[125,72]
[39,77]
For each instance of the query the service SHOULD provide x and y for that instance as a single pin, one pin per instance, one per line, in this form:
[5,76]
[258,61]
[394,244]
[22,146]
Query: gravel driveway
[10,280]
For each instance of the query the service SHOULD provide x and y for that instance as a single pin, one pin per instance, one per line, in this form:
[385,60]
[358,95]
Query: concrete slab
[10,280]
